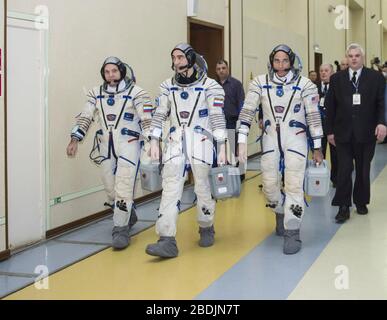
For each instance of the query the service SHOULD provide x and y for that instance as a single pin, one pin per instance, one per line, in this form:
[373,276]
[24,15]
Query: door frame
[44,20]
[205,24]
[6,253]
[318,60]
[191,21]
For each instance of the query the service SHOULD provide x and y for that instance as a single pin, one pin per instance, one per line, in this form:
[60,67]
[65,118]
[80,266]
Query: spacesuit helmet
[194,60]
[126,71]
[295,61]
[189,53]
[283,48]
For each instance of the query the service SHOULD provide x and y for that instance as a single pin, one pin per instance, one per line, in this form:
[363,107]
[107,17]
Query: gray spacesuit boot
[121,237]
[292,242]
[279,228]
[206,236]
[165,247]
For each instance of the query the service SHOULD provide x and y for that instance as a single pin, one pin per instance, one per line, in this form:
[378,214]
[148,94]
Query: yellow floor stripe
[354,264]
[240,225]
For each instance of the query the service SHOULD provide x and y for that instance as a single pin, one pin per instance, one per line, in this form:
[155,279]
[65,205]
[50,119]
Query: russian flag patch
[219,102]
[148,108]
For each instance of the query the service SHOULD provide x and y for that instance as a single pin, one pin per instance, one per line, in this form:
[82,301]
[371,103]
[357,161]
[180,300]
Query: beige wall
[360,3]
[324,33]
[373,30]
[384,46]
[356,32]
[79,40]
[268,23]
[236,39]
[2,155]
[77,47]
[265,25]
[213,11]
[384,17]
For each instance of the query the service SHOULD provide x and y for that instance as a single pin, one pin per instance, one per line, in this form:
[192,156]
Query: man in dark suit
[326,71]
[355,116]
[233,102]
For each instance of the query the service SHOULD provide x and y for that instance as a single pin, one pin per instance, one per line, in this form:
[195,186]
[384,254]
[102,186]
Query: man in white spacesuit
[124,114]
[290,105]
[193,104]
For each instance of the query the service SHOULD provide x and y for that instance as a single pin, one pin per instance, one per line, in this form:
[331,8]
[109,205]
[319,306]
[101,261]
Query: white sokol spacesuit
[124,114]
[196,118]
[290,108]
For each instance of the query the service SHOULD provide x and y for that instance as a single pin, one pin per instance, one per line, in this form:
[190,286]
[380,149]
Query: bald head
[326,70]
[344,64]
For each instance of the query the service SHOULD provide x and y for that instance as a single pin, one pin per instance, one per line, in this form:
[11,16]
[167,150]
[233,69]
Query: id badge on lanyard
[356,98]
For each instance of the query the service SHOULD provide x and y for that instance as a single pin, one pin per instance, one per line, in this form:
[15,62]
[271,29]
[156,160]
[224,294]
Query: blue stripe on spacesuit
[297,124]
[127,160]
[283,197]
[245,124]
[294,151]
[123,107]
[202,161]
[111,147]
[103,112]
[127,132]
[135,178]
[266,152]
[187,167]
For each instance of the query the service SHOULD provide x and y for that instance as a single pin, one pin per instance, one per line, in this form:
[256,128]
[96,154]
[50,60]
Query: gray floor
[266,273]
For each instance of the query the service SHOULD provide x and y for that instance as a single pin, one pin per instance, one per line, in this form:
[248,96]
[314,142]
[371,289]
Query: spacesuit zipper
[282,155]
[111,145]
[278,129]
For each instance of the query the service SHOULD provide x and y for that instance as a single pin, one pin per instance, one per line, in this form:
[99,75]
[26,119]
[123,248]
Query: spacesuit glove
[154,150]
[318,157]
[222,157]
[242,152]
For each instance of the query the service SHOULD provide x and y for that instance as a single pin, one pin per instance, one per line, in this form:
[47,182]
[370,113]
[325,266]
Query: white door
[25,131]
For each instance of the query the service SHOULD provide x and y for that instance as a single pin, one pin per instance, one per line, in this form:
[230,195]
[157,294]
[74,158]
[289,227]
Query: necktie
[325,89]
[354,77]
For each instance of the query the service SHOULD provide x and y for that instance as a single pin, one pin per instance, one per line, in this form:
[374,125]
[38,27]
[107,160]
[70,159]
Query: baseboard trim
[4,255]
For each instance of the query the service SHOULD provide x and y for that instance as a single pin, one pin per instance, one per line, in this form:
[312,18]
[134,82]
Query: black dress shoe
[243,177]
[342,215]
[361,209]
